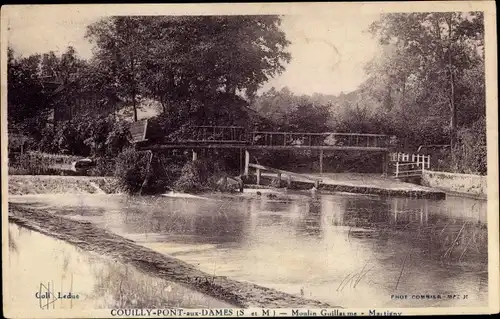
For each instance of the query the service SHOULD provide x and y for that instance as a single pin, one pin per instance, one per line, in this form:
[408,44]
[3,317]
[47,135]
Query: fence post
[397,169]
[247,162]
[258,176]
[423,168]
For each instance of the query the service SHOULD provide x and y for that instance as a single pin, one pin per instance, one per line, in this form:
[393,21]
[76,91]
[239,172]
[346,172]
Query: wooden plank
[280,171]
[138,131]
[320,134]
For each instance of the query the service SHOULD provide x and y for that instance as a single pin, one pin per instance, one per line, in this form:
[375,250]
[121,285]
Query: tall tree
[290,112]
[190,60]
[119,50]
[26,96]
[436,49]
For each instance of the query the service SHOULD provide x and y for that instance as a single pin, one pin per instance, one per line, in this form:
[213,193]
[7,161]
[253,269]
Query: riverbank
[55,184]
[89,237]
[372,184]
[435,185]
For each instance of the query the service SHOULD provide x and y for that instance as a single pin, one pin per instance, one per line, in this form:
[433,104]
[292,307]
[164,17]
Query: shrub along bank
[142,172]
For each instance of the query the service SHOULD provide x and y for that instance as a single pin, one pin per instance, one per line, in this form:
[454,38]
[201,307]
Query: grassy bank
[89,237]
[53,184]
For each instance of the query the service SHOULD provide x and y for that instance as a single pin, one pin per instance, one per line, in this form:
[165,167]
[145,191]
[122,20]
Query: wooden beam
[247,162]
[280,171]
[216,144]
[321,161]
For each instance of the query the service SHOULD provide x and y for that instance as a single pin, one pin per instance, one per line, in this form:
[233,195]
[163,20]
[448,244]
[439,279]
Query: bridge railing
[218,134]
[409,169]
[238,135]
[420,159]
[318,139]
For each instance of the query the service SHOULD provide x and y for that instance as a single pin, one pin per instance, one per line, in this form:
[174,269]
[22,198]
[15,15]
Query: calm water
[99,282]
[344,249]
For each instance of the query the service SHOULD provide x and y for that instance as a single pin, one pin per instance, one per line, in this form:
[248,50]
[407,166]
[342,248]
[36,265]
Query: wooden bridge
[236,137]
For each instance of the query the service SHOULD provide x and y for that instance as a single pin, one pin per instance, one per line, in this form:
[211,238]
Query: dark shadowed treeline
[200,70]
[426,86]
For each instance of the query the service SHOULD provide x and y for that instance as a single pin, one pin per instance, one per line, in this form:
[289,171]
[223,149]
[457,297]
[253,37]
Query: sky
[328,50]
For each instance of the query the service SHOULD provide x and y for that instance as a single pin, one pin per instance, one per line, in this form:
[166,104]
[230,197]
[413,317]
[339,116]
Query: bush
[131,170]
[194,177]
[133,176]
[103,167]
[469,155]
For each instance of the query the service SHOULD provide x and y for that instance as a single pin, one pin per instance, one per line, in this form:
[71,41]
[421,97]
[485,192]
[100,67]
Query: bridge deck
[238,137]
[257,147]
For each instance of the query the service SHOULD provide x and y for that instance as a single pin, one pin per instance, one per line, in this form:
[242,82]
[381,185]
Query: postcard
[250,159]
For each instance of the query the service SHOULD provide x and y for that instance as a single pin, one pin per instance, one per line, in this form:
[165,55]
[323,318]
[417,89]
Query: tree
[119,50]
[26,96]
[179,60]
[310,117]
[292,112]
[436,49]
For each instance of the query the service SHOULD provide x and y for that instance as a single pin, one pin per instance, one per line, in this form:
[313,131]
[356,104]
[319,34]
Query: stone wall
[457,183]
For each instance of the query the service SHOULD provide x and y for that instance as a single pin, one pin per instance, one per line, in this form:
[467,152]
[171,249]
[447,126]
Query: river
[343,249]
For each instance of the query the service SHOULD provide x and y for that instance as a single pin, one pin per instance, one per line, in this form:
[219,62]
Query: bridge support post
[195,155]
[241,161]
[247,162]
[321,161]
[289,180]
[258,176]
[385,164]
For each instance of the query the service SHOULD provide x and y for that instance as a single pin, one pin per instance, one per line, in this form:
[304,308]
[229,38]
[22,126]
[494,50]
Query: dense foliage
[189,60]
[425,86]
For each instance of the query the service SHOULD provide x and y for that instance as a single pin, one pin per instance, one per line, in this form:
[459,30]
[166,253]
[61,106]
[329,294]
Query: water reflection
[310,222]
[99,282]
[349,250]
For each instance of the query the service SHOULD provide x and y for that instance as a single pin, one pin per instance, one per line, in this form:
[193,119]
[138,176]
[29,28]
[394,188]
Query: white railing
[419,159]
[409,169]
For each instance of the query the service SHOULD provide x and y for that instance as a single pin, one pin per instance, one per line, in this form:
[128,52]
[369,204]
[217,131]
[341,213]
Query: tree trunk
[453,109]
[134,104]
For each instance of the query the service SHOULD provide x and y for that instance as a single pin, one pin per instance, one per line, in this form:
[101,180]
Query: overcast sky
[328,51]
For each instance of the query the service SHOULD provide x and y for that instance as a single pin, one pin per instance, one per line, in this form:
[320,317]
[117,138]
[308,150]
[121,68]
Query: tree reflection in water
[451,240]
[310,222]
